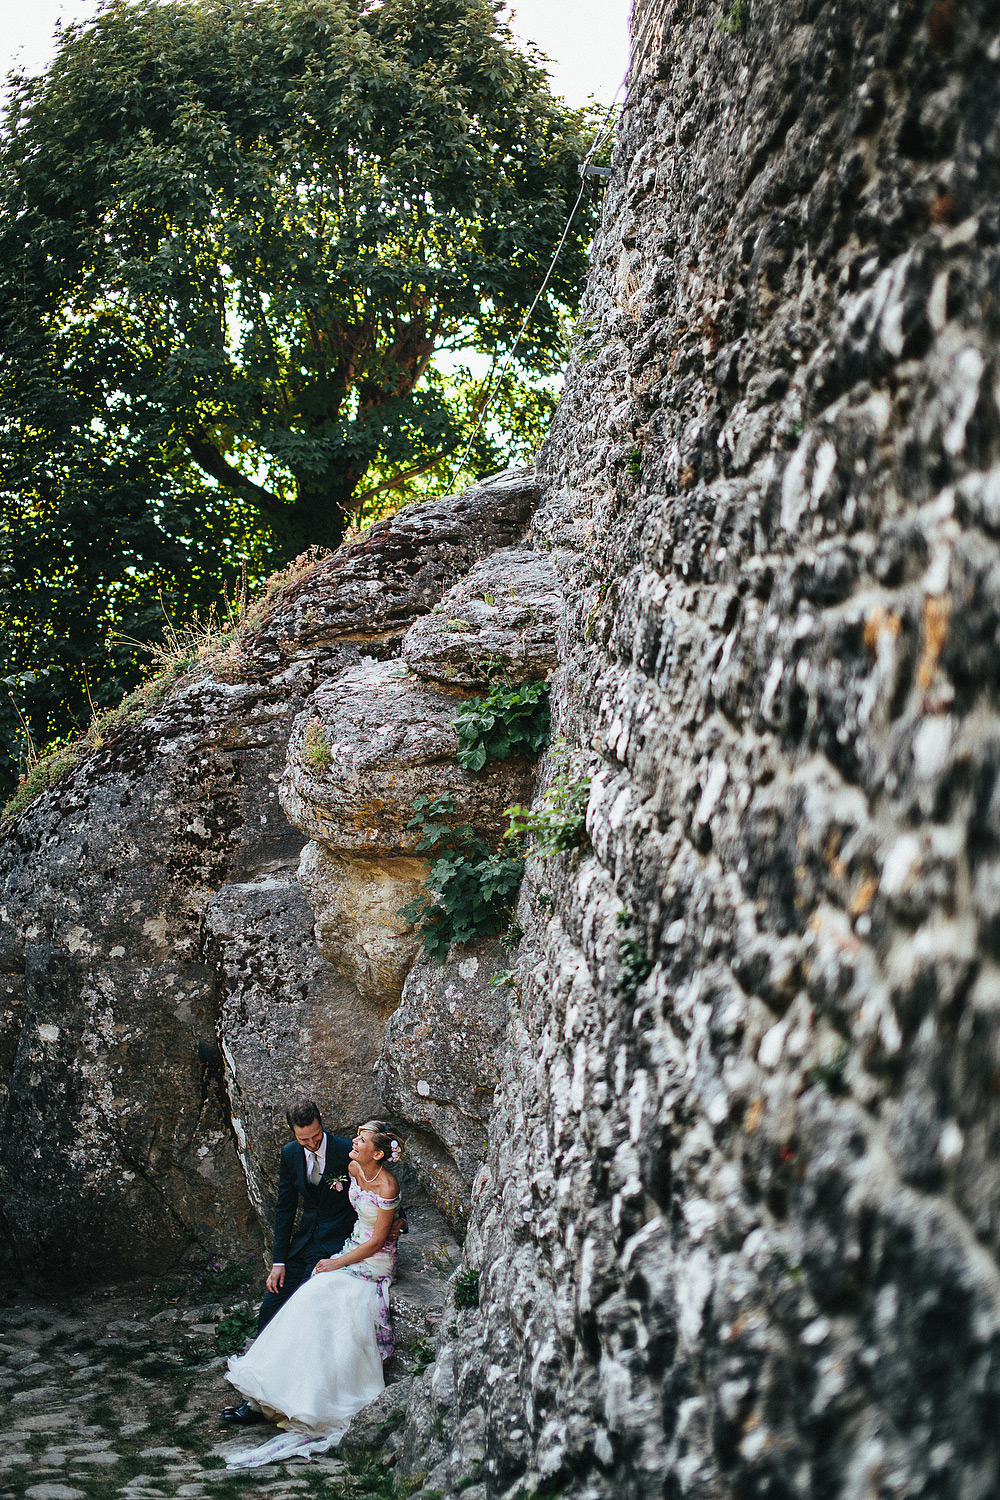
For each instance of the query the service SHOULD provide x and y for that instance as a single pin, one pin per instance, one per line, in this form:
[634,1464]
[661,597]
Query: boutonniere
[333,1182]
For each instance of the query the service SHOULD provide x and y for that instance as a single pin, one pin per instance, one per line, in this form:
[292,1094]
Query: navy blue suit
[325,1222]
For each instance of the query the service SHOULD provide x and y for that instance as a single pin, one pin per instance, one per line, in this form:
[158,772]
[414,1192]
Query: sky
[586,40]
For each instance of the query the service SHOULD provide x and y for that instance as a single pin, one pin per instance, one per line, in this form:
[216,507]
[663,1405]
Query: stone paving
[115,1394]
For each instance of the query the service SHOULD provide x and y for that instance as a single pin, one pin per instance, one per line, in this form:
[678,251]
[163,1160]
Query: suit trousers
[298,1268]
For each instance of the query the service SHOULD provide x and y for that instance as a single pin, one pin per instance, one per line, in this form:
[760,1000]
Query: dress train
[319,1360]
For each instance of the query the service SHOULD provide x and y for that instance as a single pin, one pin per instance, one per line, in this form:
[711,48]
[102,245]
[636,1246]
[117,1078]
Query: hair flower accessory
[396,1151]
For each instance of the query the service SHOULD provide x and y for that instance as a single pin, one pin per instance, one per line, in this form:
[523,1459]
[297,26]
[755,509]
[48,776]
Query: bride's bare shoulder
[391,1186]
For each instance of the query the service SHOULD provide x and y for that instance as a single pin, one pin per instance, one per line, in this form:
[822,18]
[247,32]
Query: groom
[313,1169]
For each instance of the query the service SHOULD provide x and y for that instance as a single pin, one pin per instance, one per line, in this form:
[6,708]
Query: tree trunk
[319,516]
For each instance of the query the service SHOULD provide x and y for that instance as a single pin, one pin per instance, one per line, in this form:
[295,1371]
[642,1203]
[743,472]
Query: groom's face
[310,1136]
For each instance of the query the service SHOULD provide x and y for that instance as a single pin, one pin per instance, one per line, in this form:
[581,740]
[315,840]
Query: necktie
[314,1172]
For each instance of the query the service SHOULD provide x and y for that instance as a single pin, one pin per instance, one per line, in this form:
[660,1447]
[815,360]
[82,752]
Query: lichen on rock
[500,622]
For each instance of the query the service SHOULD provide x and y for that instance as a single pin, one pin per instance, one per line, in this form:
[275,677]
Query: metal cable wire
[602,136]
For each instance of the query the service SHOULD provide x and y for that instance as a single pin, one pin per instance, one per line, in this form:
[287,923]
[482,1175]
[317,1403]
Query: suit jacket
[327,1216]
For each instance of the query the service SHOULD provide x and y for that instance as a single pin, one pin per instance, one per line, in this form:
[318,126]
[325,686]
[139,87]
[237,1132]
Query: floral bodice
[380,1267]
[366,1205]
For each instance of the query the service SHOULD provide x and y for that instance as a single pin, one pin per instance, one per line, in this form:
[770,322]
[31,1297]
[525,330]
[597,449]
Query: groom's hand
[276,1279]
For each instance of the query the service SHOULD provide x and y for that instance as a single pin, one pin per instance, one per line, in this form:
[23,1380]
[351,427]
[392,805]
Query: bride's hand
[326,1265]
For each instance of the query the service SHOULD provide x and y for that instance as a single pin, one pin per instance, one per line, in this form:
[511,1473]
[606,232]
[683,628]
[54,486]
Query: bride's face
[363,1151]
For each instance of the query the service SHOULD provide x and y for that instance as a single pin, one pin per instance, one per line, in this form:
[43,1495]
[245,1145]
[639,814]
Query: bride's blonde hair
[384,1140]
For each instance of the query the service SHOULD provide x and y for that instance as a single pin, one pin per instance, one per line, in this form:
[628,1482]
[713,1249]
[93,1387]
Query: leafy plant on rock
[471,889]
[734,20]
[561,821]
[467,1289]
[509,721]
[634,966]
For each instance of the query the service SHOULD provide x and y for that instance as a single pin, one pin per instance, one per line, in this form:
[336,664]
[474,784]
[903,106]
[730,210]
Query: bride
[320,1358]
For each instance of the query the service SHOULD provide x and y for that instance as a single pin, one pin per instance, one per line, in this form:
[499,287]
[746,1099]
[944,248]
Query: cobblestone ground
[118,1394]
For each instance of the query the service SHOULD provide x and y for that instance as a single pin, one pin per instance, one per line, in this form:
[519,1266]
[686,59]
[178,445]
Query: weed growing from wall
[734,20]
[633,965]
[471,889]
[561,821]
[467,1289]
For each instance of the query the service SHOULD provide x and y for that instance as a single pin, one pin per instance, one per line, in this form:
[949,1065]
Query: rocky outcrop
[438,1068]
[737,1232]
[370,741]
[164,992]
[500,621]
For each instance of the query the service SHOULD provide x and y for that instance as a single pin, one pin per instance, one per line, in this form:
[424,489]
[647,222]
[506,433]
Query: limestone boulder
[120,1146]
[438,1066]
[359,929]
[116,1150]
[501,619]
[367,743]
[290,1024]
[370,591]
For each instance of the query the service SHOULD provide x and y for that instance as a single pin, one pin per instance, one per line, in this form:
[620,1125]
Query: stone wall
[737,1234]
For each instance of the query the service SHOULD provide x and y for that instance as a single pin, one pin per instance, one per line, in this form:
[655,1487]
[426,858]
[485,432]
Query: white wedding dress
[319,1360]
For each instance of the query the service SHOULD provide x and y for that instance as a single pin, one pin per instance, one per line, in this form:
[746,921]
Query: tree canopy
[245,251]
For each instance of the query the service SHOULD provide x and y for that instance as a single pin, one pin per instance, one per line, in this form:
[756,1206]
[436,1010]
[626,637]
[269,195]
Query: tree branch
[393,484]
[211,460]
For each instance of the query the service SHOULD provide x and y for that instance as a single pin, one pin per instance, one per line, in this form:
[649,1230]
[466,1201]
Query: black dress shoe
[243,1415]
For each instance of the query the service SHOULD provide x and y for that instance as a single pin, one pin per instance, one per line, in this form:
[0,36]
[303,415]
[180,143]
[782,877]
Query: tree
[243,248]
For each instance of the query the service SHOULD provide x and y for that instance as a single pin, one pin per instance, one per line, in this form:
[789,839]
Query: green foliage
[634,967]
[633,464]
[315,750]
[234,1330]
[472,890]
[831,1074]
[248,256]
[466,1289]
[510,721]
[561,821]
[363,1476]
[423,1355]
[735,19]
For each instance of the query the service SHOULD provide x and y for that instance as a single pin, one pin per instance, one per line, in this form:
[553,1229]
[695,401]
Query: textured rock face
[358,927]
[290,1023]
[438,1066]
[503,617]
[737,1234]
[149,911]
[371,740]
[114,1141]
[373,590]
